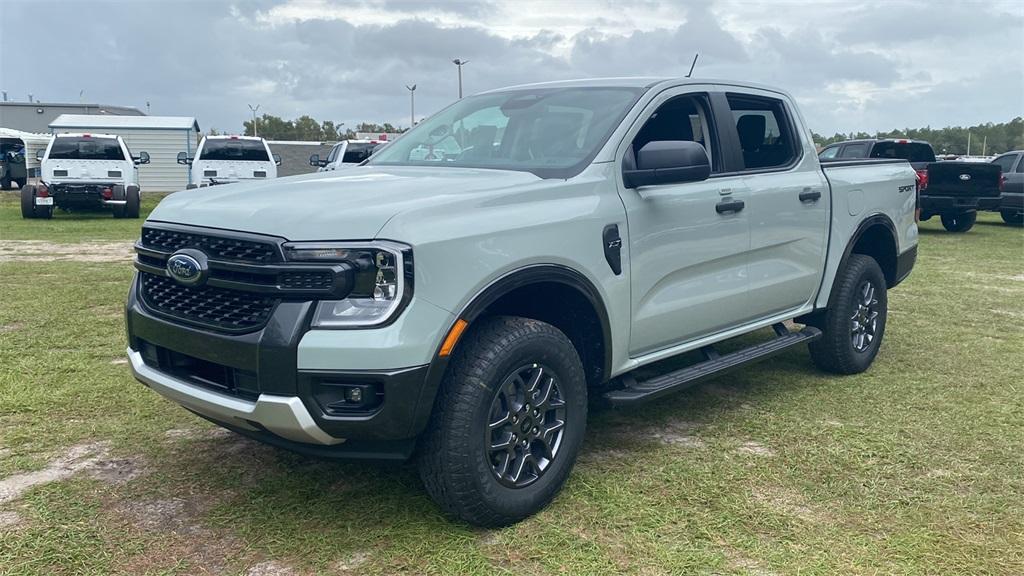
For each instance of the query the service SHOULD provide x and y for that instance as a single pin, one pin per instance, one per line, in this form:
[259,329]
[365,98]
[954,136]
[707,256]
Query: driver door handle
[810,195]
[727,206]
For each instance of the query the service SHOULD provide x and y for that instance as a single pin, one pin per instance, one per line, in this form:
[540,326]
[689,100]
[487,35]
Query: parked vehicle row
[229,159]
[512,255]
[85,171]
[952,190]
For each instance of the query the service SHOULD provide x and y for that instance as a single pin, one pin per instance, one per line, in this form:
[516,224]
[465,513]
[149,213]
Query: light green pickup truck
[457,297]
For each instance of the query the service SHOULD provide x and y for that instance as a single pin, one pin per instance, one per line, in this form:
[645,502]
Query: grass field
[915,467]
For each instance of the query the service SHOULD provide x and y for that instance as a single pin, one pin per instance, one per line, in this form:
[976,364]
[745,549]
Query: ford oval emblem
[965,177]
[188,267]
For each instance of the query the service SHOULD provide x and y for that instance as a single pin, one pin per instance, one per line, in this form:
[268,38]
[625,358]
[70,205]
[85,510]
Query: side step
[638,392]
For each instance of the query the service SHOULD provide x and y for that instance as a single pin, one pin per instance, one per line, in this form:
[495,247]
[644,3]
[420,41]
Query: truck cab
[229,159]
[345,154]
[85,171]
[464,294]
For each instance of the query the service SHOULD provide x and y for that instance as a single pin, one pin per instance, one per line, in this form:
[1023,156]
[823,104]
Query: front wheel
[854,323]
[508,422]
[959,222]
[28,201]
[1012,218]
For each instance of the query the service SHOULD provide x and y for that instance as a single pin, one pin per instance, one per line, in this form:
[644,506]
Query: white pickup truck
[83,172]
[345,154]
[228,159]
[458,296]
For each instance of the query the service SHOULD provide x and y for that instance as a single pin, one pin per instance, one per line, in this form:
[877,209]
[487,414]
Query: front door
[688,257]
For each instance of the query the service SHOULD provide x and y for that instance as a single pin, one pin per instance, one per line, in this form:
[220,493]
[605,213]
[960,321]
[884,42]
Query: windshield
[234,149]
[551,132]
[85,148]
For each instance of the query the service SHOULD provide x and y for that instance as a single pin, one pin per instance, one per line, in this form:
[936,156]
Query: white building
[161,136]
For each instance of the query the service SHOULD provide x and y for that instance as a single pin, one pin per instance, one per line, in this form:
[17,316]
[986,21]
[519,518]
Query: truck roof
[874,140]
[232,137]
[84,135]
[636,82]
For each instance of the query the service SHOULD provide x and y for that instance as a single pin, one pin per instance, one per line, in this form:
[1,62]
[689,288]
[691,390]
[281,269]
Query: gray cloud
[883,66]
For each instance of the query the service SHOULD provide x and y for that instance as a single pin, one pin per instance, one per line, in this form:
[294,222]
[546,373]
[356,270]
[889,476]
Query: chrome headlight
[382,282]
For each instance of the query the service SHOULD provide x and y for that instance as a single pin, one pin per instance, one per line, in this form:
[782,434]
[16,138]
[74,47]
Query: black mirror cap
[39,155]
[668,162]
[314,160]
[277,159]
[183,158]
[143,158]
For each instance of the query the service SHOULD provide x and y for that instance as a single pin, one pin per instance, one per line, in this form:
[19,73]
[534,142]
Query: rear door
[1012,165]
[788,202]
[688,257]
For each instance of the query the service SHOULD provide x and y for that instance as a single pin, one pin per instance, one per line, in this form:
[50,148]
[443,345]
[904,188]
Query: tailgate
[974,179]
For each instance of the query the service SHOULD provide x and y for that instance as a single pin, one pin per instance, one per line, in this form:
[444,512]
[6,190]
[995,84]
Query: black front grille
[307,280]
[215,247]
[219,308]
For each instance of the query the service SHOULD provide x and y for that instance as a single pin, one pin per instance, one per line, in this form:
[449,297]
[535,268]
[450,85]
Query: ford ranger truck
[229,159]
[457,298]
[85,172]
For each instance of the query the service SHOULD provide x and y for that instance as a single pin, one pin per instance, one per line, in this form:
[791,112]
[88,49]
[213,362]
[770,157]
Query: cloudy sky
[852,65]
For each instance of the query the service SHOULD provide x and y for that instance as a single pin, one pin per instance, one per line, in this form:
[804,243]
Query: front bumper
[253,382]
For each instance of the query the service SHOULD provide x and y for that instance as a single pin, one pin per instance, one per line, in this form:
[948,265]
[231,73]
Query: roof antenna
[692,64]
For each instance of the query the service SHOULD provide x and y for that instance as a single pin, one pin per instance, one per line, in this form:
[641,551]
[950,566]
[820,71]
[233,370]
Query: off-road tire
[959,222]
[454,460]
[133,199]
[28,201]
[835,351]
[1012,217]
[118,209]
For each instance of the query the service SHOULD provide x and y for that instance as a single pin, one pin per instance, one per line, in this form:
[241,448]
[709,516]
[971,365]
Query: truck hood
[350,204]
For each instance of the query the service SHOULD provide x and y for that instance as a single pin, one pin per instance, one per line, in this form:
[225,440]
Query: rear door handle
[726,206]
[810,195]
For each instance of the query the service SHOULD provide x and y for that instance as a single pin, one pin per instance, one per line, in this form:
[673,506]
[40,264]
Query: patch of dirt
[174,515]
[42,251]
[789,503]
[270,568]
[678,433]
[9,520]
[119,361]
[351,564]
[12,327]
[4,453]
[755,449]
[90,458]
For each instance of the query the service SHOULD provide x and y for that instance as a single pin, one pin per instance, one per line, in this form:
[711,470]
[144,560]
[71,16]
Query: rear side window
[238,150]
[764,130]
[355,153]
[1020,166]
[909,151]
[1005,162]
[855,151]
[85,148]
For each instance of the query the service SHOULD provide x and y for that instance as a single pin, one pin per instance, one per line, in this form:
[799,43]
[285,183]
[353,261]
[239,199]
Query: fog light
[354,395]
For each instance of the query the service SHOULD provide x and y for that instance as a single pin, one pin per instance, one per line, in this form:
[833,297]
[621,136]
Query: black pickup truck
[952,190]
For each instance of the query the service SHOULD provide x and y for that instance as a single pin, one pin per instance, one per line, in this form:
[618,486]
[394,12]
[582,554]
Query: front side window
[550,132]
[1005,162]
[764,131]
[829,153]
[235,149]
[334,153]
[85,148]
[681,118]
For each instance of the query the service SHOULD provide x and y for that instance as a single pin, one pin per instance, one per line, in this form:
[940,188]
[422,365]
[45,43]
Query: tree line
[988,138]
[309,129]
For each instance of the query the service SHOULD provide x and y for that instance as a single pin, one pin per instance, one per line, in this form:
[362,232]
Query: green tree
[990,138]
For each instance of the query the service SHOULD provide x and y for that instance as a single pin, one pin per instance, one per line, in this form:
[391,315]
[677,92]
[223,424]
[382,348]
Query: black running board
[643,391]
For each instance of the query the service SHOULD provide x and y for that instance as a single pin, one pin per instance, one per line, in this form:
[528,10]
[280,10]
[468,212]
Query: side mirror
[39,154]
[668,162]
[184,158]
[142,158]
[314,160]
[277,159]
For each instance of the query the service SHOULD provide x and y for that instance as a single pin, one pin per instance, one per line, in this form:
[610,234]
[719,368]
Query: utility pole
[147,106]
[254,118]
[460,63]
[412,104]
[984,145]
[968,142]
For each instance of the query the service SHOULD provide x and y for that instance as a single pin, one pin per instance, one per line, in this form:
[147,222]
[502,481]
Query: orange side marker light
[453,337]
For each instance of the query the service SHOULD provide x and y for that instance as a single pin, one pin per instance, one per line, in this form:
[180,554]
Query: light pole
[254,118]
[412,104]
[459,62]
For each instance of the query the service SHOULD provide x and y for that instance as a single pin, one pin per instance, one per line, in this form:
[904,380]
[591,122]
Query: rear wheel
[508,422]
[853,326]
[28,201]
[959,222]
[118,194]
[1012,218]
[132,199]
